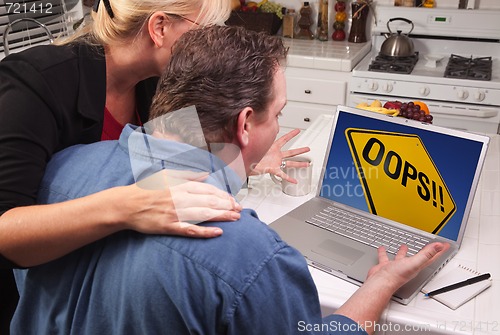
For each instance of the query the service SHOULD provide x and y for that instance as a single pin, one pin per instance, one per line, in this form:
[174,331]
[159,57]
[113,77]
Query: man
[248,281]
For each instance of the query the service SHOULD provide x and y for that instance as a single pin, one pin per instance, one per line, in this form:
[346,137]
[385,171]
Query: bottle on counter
[360,11]
[398,2]
[289,22]
[322,32]
[305,22]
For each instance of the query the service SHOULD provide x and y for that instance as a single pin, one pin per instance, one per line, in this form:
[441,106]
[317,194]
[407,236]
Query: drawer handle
[306,119]
[307,91]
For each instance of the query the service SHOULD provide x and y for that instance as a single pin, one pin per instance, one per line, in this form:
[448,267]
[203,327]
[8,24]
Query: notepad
[456,298]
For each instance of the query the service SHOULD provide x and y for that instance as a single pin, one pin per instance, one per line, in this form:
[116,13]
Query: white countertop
[325,55]
[480,248]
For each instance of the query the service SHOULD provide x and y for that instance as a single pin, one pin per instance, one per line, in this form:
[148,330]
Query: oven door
[474,118]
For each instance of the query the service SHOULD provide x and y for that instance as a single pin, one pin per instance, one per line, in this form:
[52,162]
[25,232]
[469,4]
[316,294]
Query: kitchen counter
[479,251]
[327,55]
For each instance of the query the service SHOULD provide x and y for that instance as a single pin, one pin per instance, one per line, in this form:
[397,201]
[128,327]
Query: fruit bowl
[414,110]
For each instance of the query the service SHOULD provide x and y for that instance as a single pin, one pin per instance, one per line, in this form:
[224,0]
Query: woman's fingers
[173,202]
[195,194]
[192,230]
[202,214]
[186,175]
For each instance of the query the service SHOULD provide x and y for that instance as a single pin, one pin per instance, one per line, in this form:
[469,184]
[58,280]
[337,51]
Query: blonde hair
[130,16]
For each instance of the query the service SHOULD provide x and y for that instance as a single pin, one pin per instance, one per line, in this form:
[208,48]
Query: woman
[85,90]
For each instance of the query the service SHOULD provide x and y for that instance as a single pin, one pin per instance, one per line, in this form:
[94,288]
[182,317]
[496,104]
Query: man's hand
[271,162]
[367,304]
[402,269]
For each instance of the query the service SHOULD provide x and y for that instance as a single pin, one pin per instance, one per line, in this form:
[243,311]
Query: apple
[338,25]
[338,35]
[393,104]
[340,6]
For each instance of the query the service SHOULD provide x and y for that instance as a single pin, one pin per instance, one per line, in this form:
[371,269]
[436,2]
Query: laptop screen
[419,175]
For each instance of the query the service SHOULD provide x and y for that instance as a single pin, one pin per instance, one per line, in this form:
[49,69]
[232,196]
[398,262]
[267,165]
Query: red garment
[111,129]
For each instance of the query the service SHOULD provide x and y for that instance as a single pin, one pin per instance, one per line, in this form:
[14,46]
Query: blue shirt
[248,281]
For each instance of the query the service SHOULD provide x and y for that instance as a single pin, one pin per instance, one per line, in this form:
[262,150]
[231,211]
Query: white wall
[482,4]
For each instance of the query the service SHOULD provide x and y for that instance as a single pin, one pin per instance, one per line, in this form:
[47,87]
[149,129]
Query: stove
[383,63]
[455,70]
[460,67]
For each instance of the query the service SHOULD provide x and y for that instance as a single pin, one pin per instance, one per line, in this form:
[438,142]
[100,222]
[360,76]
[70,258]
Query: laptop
[386,180]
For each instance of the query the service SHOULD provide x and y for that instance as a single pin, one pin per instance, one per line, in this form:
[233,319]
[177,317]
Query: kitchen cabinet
[317,75]
[311,93]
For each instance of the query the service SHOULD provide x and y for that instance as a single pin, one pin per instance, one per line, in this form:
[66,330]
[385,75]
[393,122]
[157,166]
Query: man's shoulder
[247,247]
[84,169]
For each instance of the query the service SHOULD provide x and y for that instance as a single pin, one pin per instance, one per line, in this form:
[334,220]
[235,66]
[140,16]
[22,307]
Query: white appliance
[462,103]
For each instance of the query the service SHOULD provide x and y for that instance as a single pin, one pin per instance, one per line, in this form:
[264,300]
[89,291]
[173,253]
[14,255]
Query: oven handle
[470,112]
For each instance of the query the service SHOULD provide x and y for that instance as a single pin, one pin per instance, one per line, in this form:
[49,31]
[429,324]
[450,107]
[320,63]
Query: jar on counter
[322,32]
[305,22]
[289,21]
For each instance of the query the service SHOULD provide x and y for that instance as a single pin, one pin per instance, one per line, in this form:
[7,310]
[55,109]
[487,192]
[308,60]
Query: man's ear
[156,28]
[244,127]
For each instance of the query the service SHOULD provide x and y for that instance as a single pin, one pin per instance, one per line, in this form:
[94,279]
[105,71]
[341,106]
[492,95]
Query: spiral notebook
[456,298]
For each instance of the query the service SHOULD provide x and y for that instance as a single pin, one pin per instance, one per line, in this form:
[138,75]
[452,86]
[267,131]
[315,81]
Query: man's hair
[220,70]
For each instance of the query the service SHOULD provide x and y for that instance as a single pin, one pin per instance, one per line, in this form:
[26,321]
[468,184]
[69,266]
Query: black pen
[460,284]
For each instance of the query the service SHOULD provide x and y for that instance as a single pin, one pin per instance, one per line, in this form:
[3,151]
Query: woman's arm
[33,235]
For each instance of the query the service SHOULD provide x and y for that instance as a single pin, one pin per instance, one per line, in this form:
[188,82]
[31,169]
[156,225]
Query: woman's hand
[165,203]
[172,202]
[271,162]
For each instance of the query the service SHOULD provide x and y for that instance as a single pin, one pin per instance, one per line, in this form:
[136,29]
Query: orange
[423,106]
[340,16]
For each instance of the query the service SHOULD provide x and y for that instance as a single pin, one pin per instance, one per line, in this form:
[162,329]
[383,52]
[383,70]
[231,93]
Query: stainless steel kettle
[398,45]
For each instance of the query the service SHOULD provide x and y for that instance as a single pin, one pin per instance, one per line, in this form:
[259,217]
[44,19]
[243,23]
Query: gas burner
[469,68]
[391,64]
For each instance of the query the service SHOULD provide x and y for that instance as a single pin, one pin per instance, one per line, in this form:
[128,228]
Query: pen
[459,284]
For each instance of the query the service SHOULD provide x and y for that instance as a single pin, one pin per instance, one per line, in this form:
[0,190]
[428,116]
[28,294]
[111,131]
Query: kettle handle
[400,19]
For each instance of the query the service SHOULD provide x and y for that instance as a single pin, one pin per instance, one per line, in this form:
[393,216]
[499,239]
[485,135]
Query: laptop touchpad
[338,252]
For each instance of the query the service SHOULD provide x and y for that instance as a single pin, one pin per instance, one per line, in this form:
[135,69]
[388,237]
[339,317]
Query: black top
[51,97]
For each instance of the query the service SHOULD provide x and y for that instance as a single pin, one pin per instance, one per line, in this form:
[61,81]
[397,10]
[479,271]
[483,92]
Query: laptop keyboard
[367,231]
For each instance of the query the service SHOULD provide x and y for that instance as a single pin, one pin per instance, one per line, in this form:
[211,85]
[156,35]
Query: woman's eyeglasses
[183,18]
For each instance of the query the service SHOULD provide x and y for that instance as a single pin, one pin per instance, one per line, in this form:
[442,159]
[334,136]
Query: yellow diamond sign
[399,179]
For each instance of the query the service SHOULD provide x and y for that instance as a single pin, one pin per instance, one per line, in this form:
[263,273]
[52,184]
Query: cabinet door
[313,86]
[301,115]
